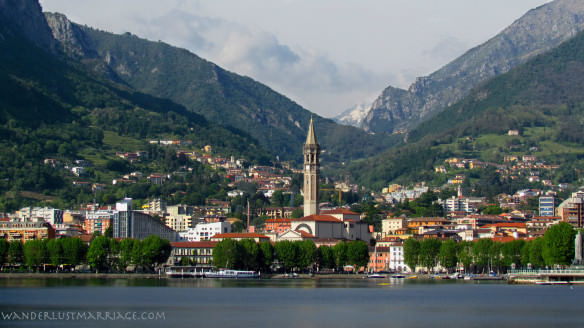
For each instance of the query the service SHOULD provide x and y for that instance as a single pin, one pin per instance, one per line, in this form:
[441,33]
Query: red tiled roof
[318,218]
[506,225]
[194,244]
[339,211]
[278,221]
[436,219]
[238,235]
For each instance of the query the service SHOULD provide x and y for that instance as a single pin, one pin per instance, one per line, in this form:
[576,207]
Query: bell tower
[311,152]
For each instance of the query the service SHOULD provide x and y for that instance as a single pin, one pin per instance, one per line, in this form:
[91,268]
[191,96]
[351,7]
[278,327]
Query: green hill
[543,99]
[220,96]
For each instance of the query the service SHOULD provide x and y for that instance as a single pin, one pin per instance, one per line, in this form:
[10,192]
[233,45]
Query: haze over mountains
[537,31]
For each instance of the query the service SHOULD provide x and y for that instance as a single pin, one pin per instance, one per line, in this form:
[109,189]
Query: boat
[376,276]
[231,274]
[398,276]
[182,272]
[413,277]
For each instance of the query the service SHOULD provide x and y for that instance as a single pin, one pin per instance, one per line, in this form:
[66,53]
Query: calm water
[293,303]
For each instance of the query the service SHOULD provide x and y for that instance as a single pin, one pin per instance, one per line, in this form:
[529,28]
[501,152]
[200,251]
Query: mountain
[537,31]
[353,116]
[54,109]
[542,99]
[202,87]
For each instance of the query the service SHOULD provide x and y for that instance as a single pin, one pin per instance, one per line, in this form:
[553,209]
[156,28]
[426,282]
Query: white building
[396,258]
[204,231]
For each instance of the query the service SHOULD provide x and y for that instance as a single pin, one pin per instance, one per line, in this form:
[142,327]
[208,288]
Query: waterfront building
[379,258]
[25,231]
[240,236]
[277,225]
[204,231]
[98,221]
[311,152]
[138,225]
[198,253]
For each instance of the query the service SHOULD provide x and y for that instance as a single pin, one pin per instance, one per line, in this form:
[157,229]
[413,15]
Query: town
[470,234]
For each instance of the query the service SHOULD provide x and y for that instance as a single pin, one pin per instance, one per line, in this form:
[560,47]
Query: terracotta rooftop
[278,221]
[194,244]
[239,235]
[339,211]
[305,234]
[318,218]
[506,225]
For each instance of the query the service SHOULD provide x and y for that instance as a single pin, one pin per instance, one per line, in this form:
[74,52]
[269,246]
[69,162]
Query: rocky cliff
[537,31]
[26,17]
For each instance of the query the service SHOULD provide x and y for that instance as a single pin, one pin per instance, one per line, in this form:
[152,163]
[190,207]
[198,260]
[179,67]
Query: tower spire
[311,136]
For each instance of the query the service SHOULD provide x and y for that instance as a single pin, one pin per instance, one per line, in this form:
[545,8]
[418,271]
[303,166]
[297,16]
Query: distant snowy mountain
[353,116]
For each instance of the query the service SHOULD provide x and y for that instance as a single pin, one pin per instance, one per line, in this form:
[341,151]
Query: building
[240,236]
[572,209]
[390,225]
[547,206]
[327,226]
[379,258]
[311,152]
[25,231]
[48,214]
[277,225]
[396,257]
[137,225]
[98,221]
[204,231]
[199,253]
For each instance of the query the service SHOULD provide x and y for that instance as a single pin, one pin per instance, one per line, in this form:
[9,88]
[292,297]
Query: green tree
[558,244]
[429,251]
[411,253]
[481,251]
[15,252]
[287,253]
[536,253]
[464,253]
[227,254]
[126,247]
[97,255]
[447,255]
[155,251]
[512,252]
[308,254]
[55,251]
[496,256]
[35,252]
[358,254]
[74,250]
[340,251]
[4,245]
[137,257]
[326,257]
[267,255]
[250,257]
[297,213]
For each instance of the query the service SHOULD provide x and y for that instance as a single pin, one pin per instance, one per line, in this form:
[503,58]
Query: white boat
[231,274]
[398,276]
[376,275]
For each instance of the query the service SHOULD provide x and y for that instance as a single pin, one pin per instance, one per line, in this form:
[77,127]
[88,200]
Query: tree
[287,253]
[512,252]
[98,252]
[358,253]
[267,255]
[74,250]
[536,253]
[340,252]
[307,254]
[155,251]
[411,253]
[326,257]
[55,252]
[250,254]
[35,252]
[297,213]
[558,244]
[227,254]
[4,245]
[481,249]
[447,255]
[429,251]
[126,247]
[464,253]
[15,252]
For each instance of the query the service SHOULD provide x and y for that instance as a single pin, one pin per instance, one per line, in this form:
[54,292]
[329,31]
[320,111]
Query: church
[338,224]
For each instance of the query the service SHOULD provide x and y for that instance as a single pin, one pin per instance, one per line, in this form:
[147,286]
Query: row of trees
[556,247]
[290,255]
[103,254]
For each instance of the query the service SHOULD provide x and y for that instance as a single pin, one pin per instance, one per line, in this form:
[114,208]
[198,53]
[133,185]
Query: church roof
[311,137]
[319,218]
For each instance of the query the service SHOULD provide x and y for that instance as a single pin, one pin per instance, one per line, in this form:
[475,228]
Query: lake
[285,303]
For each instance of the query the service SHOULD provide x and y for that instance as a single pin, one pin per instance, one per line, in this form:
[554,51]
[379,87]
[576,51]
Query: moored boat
[231,274]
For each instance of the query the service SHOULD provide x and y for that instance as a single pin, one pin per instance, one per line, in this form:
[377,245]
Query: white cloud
[309,78]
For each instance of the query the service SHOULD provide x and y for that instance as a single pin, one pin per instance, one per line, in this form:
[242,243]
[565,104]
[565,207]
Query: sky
[326,55]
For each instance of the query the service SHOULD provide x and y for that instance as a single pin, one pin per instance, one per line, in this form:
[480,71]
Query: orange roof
[239,235]
[318,218]
[434,219]
[506,225]
[278,221]
[194,244]
[340,211]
